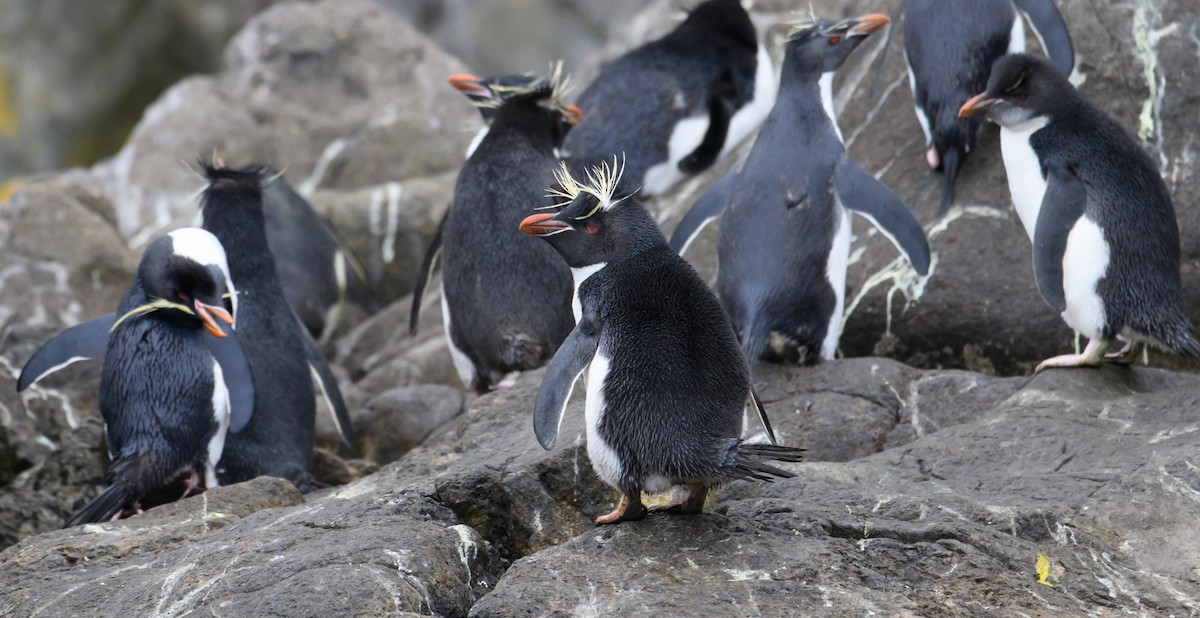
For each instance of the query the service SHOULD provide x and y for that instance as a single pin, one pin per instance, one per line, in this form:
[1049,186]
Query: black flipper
[704,211]
[102,507]
[722,104]
[860,192]
[324,379]
[564,370]
[1051,30]
[235,370]
[1062,205]
[83,341]
[950,161]
[435,247]
[762,415]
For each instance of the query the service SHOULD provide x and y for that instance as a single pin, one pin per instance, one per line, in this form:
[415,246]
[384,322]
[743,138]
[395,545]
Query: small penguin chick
[667,384]
[1105,240]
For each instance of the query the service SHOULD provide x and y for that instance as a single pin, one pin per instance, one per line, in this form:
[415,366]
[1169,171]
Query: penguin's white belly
[216,444]
[921,117]
[462,363]
[1016,38]
[1025,181]
[1085,262]
[751,115]
[835,273]
[685,138]
[604,459]
[578,276]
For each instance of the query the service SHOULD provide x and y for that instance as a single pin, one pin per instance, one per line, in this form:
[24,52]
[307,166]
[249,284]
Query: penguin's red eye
[182,296]
[591,228]
[834,40]
[1020,96]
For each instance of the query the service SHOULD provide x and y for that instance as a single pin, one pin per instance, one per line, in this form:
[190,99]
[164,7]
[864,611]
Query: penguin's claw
[190,484]
[692,505]
[627,510]
[1092,356]
[1127,355]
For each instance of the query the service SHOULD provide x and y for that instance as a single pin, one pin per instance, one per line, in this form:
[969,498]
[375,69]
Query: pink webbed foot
[190,484]
[931,157]
[628,509]
[1092,356]
[1127,355]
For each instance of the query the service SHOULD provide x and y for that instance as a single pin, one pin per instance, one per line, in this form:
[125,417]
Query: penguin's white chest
[216,444]
[835,273]
[579,275]
[1026,183]
[604,458]
[1085,262]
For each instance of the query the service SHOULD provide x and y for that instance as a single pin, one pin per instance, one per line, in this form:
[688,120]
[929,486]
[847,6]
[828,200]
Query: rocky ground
[933,483]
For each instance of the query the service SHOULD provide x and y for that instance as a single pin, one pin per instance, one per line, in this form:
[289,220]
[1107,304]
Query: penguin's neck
[242,231]
[809,99]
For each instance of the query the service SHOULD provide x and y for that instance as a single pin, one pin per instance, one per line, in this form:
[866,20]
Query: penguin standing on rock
[666,384]
[1105,239]
[784,241]
[174,381]
[506,301]
[282,356]
[950,47]
[675,105]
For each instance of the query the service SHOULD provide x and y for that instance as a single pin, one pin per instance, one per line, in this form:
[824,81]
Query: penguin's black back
[1128,199]
[156,397]
[777,233]
[676,382]
[509,293]
[951,51]
[632,108]
[278,441]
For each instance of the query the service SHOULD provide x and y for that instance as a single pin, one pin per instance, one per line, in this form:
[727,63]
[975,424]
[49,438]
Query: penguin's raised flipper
[722,104]
[435,247]
[705,211]
[323,377]
[565,368]
[762,415]
[1062,205]
[862,193]
[235,371]
[84,341]
[1051,31]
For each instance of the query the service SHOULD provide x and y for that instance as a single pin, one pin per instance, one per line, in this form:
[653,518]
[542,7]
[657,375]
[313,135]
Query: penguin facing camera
[949,49]
[506,298]
[666,383]
[1105,238]
[283,357]
[784,240]
[675,105]
[174,382]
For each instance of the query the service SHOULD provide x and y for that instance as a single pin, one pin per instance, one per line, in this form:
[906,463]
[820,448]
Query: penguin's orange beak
[869,23]
[207,313]
[469,85]
[977,105]
[543,224]
[572,113]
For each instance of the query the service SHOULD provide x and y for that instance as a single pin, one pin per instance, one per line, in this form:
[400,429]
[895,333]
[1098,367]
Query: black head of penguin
[536,114]
[1022,87]
[724,22]
[820,46]
[197,292]
[595,227]
[488,94]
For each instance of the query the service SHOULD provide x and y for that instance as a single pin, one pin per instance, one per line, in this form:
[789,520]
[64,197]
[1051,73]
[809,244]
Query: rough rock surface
[975,478]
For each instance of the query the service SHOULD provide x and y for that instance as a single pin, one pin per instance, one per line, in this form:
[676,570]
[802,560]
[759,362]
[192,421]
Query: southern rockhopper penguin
[487,94]
[506,297]
[666,383]
[283,357]
[173,382]
[949,49]
[1105,239]
[784,242]
[675,105]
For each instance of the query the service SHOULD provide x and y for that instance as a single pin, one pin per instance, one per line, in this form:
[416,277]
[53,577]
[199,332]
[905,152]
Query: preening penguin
[673,106]
[1105,239]
[666,384]
[506,301]
[950,47]
[283,357]
[174,381]
[784,241]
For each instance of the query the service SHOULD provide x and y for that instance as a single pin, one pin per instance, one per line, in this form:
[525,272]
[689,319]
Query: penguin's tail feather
[951,158]
[1182,341]
[749,462]
[520,351]
[102,507]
